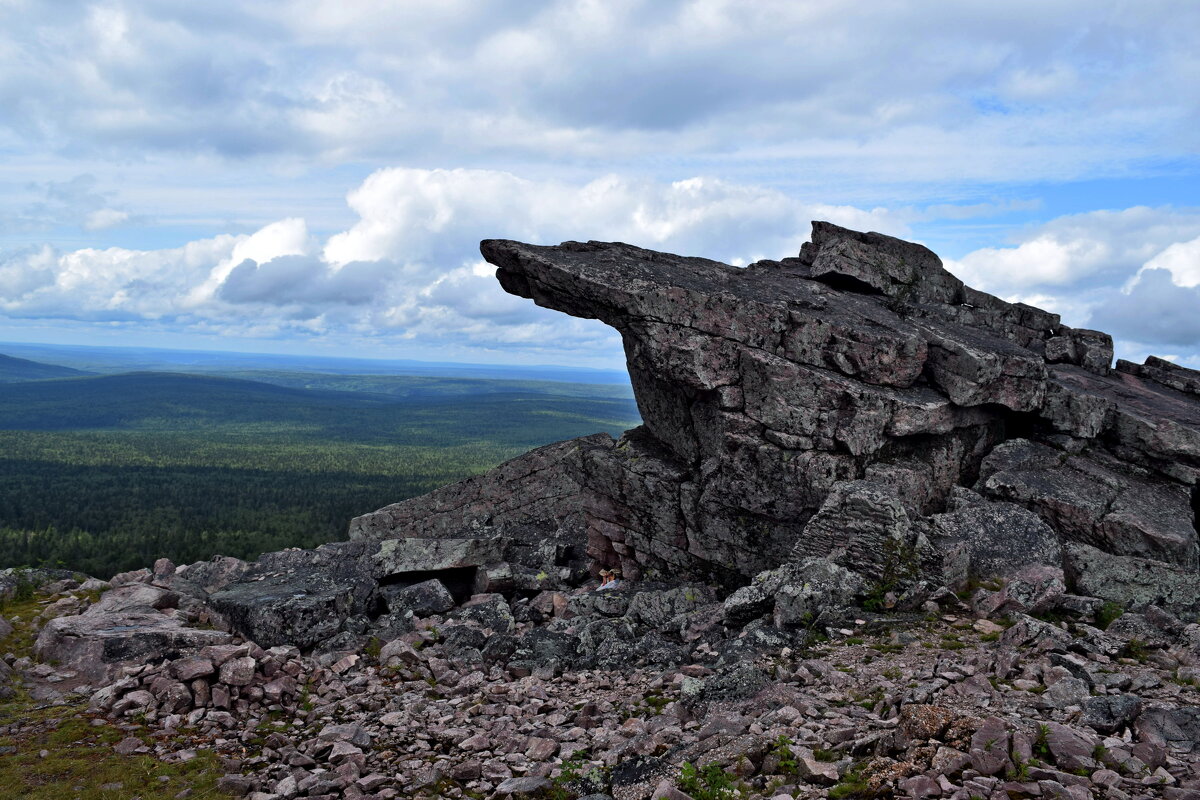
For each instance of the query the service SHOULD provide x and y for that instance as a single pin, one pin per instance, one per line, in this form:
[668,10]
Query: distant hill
[436,416]
[20,369]
[144,359]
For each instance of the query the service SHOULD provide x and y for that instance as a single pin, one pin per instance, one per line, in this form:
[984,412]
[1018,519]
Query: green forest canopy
[103,474]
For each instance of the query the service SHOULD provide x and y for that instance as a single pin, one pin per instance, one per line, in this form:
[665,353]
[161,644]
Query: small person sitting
[606,579]
[609,579]
[614,579]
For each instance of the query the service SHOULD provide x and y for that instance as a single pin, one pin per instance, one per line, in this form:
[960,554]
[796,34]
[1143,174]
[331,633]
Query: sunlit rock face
[861,404]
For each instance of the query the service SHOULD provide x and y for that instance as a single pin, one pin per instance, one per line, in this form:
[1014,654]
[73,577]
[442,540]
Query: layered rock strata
[861,404]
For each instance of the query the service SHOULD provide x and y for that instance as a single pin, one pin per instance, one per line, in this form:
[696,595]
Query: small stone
[129,745]
[522,787]
[236,785]
[238,671]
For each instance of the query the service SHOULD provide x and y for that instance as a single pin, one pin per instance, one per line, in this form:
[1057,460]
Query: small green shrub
[1136,649]
[782,749]
[1109,613]
[708,783]
[1041,744]
[852,786]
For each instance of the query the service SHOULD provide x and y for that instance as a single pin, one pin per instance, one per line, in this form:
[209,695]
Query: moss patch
[79,762]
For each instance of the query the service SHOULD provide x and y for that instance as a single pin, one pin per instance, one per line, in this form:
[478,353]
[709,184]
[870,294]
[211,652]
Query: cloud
[104,218]
[76,201]
[424,216]
[992,91]
[304,279]
[1155,311]
[1182,260]
[409,267]
[1079,251]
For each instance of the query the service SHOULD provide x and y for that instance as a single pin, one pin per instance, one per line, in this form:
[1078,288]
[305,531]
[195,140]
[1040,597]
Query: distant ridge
[180,401]
[14,369]
[107,359]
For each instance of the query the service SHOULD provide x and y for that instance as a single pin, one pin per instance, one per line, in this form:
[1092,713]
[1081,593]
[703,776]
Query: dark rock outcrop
[835,405]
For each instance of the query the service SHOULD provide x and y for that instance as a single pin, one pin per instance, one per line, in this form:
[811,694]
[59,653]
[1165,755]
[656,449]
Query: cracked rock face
[844,403]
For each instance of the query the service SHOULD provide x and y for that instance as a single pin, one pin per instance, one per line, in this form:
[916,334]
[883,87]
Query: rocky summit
[880,534]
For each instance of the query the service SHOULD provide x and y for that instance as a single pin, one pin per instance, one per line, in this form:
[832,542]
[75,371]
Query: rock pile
[947,704]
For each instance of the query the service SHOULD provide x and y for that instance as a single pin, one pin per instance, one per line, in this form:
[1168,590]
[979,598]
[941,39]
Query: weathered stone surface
[803,591]
[1178,729]
[1132,582]
[422,599]
[1096,501]
[399,556]
[998,539]
[1112,713]
[826,405]
[542,484]
[298,597]
[97,644]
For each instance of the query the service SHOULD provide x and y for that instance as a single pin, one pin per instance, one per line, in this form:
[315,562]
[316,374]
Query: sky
[305,176]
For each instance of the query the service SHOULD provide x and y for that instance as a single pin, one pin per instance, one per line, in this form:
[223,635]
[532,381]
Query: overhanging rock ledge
[860,403]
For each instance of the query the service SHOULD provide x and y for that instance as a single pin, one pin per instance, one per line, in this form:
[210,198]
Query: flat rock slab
[98,645]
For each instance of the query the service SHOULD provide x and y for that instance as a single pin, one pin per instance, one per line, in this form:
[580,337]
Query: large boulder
[997,539]
[1177,728]
[1132,582]
[299,597]
[98,642]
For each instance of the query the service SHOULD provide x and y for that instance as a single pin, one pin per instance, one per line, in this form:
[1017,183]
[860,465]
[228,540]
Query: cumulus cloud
[304,279]
[1156,310]
[1078,252]
[1182,260]
[410,267]
[427,214]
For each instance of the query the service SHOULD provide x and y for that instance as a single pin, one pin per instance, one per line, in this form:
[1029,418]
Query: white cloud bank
[905,91]
[409,269]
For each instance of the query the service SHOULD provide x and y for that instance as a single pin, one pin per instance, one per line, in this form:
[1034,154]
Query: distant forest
[104,474]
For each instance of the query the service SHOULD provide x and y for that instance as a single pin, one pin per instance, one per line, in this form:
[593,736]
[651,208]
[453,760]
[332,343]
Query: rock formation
[854,418]
[848,457]
[859,403]
[856,404]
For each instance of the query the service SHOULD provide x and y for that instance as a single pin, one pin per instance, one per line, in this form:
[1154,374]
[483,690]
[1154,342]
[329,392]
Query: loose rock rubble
[947,703]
